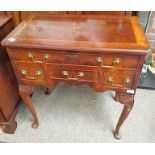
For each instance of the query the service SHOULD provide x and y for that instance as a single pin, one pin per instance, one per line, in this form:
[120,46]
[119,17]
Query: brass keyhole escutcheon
[72,56]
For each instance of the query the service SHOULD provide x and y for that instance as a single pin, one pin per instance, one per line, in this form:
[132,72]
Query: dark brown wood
[67,35]
[128,101]
[25,93]
[106,53]
[9,95]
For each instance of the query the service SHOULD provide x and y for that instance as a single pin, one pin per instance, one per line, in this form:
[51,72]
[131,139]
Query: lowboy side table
[107,53]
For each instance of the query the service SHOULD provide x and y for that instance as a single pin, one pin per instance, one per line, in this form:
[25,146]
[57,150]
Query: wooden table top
[79,33]
[4,19]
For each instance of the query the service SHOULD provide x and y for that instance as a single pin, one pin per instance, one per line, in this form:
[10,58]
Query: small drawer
[30,72]
[33,56]
[75,73]
[119,78]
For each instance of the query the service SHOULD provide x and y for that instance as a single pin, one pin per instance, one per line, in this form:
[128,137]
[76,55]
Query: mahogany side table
[107,53]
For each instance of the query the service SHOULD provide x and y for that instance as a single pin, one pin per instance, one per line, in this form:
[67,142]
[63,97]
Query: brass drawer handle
[81,74]
[127,81]
[31,56]
[65,73]
[37,74]
[110,79]
[117,61]
[72,78]
[100,60]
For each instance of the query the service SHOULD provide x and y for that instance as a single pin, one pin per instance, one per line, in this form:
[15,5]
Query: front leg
[116,97]
[128,101]
[48,91]
[25,93]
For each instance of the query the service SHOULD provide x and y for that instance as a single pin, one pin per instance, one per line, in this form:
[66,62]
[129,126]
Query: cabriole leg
[25,93]
[128,101]
[116,97]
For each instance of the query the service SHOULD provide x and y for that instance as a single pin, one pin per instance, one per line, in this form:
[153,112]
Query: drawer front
[75,73]
[30,56]
[119,78]
[103,60]
[30,72]
[118,61]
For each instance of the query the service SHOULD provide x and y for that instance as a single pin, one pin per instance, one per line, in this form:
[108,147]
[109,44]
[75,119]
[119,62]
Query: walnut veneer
[107,53]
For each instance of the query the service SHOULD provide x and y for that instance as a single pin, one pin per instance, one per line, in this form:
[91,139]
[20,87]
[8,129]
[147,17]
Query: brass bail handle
[37,74]
[126,81]
[100,60]
[31,56]
[65,73]
[80,74]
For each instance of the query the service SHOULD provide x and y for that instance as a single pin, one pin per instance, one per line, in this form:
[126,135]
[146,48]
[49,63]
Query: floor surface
[79,114]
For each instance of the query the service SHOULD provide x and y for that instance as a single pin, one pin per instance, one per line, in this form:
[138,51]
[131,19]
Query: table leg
[25,93]
[128,101]
[116,97]
[48,91]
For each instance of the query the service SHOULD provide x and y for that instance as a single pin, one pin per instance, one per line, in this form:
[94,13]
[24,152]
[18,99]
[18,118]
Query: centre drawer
[75,73]
[59,57]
